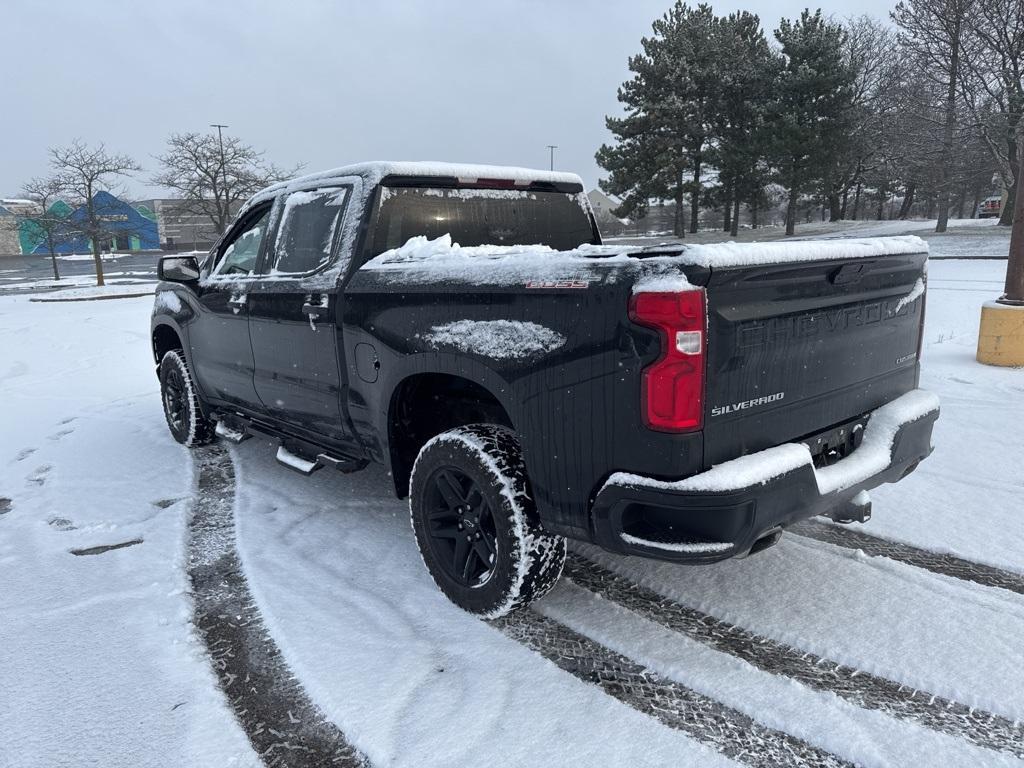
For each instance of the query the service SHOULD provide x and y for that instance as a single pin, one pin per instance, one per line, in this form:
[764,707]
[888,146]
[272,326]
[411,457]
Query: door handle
[313,307]
[236,301]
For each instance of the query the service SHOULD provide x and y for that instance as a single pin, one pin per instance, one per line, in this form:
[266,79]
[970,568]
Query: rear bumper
[723,512]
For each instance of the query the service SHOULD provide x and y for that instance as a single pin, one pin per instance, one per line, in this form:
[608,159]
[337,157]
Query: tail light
[673,385]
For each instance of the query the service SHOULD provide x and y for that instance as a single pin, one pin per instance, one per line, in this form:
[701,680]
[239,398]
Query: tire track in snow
[936,562]
[730,732]
[284,726]
[859,688]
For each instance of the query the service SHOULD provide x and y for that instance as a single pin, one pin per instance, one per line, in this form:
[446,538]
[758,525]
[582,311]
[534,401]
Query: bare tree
[83,171]
[993,87]
[213,179]
[48,226]
[937,31]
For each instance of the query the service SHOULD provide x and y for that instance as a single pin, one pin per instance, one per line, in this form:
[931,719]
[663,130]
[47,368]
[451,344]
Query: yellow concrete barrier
[1001,337]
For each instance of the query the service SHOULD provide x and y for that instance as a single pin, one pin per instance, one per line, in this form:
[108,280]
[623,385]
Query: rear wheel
[476,524]
[184,416]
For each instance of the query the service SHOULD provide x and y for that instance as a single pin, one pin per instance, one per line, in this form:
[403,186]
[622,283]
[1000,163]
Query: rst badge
[558,284]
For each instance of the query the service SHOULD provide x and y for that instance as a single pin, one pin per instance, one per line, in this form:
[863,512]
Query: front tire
[184,415]
[476,524]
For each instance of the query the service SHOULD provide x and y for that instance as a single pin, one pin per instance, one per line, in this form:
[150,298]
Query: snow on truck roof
[376,170]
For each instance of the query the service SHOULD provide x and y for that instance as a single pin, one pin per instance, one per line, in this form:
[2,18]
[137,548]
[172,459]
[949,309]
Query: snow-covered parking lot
[160,608]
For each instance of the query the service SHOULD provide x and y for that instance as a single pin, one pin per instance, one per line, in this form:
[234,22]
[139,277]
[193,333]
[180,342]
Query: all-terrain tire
[182,410]
[487,464]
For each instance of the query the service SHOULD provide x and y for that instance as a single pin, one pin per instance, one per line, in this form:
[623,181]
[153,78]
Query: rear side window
[482,217]
[310,223]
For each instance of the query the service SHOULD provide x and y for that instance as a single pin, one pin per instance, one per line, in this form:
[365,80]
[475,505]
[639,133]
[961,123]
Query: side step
[299,464]
[231,432]
[307,467]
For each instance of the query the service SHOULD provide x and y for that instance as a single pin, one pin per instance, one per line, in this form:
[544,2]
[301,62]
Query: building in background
[603,205]
[127,229]
[12,213]
[180,227]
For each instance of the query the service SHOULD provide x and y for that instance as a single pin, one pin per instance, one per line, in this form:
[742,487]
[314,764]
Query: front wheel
[184,416]
[476,524]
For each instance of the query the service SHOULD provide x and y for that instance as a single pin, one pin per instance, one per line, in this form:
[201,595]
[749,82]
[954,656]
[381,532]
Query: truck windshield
[482,217]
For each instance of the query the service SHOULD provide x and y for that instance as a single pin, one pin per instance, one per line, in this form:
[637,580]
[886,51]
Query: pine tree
[663,143]
[812,114]
[748,69]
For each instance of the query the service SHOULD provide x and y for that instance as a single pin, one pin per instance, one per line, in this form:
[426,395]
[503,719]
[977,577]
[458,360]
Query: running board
[344,464]
[299,464]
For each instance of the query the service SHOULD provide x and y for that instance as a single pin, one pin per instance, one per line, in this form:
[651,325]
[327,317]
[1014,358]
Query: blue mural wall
[128,229]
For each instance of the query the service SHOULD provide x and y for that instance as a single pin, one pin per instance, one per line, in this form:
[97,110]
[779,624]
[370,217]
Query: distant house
[127,229]
[603,206]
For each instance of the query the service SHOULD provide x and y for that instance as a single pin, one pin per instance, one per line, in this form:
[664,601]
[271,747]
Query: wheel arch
[426,403]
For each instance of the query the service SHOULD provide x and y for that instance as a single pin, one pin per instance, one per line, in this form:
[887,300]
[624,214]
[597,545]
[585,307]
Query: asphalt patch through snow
[100,549]
[284,726]
[936,562]
[859,688]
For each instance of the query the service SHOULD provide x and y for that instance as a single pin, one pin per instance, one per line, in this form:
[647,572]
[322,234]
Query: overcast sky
[328,83]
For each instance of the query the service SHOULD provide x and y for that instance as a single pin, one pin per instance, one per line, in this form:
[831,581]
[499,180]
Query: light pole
[223,167]
[552,148]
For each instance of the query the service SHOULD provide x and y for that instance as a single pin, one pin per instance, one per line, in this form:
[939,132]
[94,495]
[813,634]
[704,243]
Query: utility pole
[552,148]
[223,166]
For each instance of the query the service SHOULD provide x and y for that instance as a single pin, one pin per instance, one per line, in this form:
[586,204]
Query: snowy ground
[808,653]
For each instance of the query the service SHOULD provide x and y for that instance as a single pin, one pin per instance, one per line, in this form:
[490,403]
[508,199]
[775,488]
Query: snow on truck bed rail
[442,258]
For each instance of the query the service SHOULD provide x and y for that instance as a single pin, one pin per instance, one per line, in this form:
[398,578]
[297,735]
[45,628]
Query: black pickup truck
[524,384]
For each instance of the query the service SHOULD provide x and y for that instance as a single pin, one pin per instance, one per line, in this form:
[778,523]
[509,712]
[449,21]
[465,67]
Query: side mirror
[178,269]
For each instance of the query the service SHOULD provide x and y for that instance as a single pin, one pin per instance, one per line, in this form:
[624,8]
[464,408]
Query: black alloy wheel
[476,524]
[461,527]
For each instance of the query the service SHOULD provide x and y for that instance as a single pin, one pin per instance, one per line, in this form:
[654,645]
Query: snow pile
[498,339]
[872,456]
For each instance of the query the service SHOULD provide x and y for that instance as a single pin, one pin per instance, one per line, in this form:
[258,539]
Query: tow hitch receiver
[856,510]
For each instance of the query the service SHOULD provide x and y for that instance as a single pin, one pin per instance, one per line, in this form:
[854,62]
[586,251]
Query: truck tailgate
[796,348]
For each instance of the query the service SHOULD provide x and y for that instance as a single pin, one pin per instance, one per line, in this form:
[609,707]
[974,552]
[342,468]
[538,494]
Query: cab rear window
[481,217]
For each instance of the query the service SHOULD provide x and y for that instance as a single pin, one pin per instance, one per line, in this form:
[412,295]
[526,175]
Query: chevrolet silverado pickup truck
[524,384]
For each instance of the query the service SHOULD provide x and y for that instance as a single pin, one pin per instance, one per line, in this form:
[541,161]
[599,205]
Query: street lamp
[223,165]
[552,148]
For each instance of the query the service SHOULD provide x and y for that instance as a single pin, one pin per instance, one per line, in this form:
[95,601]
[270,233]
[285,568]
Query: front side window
[239,257]
[310,223]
